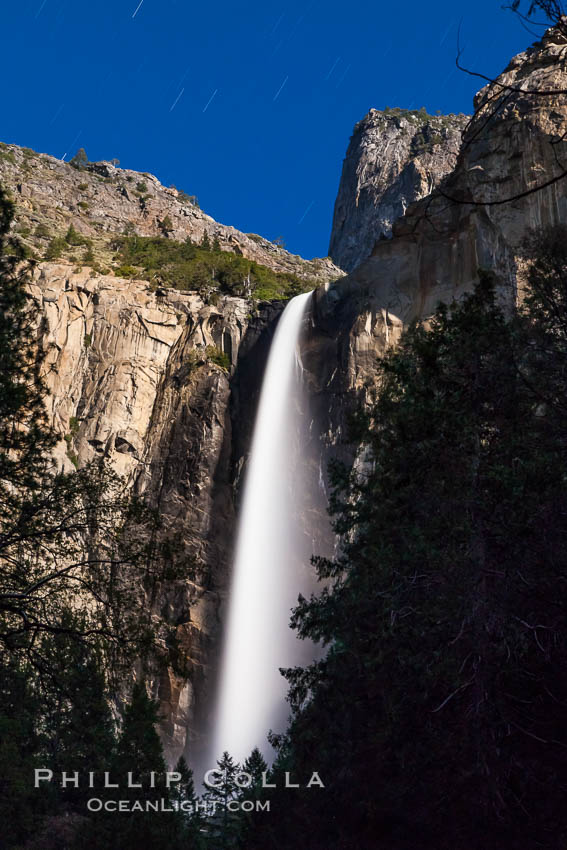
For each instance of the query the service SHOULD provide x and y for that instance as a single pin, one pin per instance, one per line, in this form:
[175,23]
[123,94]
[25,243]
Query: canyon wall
[131,379]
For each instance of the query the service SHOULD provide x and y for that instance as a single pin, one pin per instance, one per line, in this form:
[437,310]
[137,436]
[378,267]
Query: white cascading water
[271,564]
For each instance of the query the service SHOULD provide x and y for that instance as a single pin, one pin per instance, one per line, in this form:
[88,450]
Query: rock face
[133,376]
[394,158]
[509,179]
[131,379]
[102,200]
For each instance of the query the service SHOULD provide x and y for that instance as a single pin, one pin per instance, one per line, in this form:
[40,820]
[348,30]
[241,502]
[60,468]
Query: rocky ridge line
[101,200]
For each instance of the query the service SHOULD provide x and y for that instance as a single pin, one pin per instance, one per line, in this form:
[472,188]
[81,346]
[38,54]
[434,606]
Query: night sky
[249,105]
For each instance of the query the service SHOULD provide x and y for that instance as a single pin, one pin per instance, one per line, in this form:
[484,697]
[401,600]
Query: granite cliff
[508,179]
[394,158]
[131,378]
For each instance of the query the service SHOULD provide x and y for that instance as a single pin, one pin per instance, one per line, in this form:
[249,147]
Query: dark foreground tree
[191,822]
[79,564]
[256,792]
[437,715]
[25,438]
[553,10]
[224,824]
[63,723]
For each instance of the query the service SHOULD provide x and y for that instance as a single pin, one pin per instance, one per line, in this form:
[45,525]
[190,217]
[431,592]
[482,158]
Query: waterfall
[271,563]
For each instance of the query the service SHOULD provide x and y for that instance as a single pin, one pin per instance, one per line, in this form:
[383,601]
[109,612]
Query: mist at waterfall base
[272,557]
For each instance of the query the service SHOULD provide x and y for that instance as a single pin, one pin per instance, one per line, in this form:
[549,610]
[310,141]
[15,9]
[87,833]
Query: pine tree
[444,615]
[166,225]
[79,728]
[21,806]
[73,237]
[57,246]
[139,745]
[191,821]
[185,788]
[61,722]
[256,766]
[140,753]
[79,160]
[25,438]
[224,825]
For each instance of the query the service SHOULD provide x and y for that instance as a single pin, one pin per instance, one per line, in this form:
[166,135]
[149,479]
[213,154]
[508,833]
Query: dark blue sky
[289,80]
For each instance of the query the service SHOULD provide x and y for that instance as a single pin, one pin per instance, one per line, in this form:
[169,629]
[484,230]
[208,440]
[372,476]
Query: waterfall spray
[271,564]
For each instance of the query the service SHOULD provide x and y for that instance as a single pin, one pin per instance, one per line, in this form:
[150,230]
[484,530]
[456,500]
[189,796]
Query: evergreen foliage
[42,231]
[80,160]
[73,237]
[184,198]
[24,435]
[220,358]
[166,225]
[223,828]
[438,710]
[192,821]
[56,248]
[206,269]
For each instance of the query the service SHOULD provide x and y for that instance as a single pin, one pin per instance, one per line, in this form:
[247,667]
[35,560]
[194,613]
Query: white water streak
[268,573]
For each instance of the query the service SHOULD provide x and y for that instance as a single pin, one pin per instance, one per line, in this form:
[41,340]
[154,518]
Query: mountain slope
[101,200]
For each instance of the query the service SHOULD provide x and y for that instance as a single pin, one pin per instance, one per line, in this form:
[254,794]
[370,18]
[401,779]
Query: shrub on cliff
[73,237]
[185,266]
[56,248]
[80,160]
[166,225]
[184,198]
[218,357]
[42,231]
